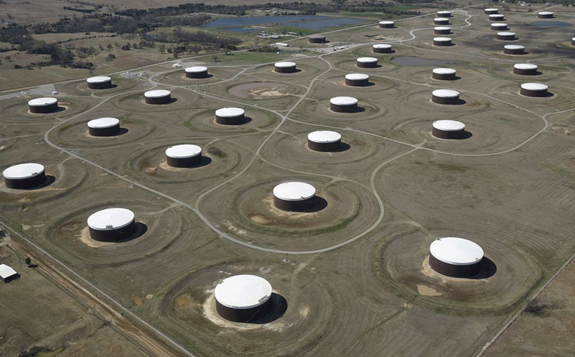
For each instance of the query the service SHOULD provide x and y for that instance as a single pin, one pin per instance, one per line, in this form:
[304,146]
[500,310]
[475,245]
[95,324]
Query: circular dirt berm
[504,275]
[300,310]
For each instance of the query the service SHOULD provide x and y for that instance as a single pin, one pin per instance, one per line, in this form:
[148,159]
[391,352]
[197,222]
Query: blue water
[236,22]
[322,24]
[311,22]
[551,24]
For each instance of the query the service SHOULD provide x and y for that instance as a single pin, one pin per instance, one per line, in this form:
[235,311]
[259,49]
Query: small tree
[28,261]
[215,58]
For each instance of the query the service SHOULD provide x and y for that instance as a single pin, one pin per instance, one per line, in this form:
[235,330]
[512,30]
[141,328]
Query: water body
[310,22]
[422,62]
[551,24]
[323,24]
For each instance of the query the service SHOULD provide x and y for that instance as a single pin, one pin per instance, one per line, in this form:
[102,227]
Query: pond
[422,62]
[310,22]
[551,24]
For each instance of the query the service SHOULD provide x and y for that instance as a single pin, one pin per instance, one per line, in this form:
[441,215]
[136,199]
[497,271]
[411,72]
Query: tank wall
[444,134]
[244,315]
[285,69]
[443,77]
[44,109]
[342,108]
[324,147]
[294,206]
[160,100]
[111,131]
[197,75]
[26,183]
[100,85]
[231,120]
[113,235]
[442,100]
[455,271]
[533,93]
[184,162]
[357,82]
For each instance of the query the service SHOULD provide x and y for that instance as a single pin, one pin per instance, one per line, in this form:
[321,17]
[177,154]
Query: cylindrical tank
[366,62]
[357,79]
[545,15]
[448,129]
[104,127]
[324,140]
[491,11]
[285,67]
[381,48]
[43,105]
[442,41]
[386,24]
[294,196]
[112,224]
[161,96]
[514,49]
[343,104]
[99,82]
[230,116]
[506,36]
[534,90]
[525,69]
[455,257]
[445,96]
[243,298]
[497,17]
[444,74]
[184,155]
[24,176]
[499,26]
[441,21]
[444,13]
[196,72]
[441,30]
[316,39]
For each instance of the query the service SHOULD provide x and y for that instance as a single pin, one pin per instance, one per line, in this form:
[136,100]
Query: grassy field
[354,273]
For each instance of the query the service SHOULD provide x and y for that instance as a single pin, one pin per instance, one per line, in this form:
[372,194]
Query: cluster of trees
[283,8]
[193,42]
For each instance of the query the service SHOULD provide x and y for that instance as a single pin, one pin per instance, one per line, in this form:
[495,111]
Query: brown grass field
[352,278]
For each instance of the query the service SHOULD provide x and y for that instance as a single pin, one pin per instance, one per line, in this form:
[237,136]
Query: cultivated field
[351,278]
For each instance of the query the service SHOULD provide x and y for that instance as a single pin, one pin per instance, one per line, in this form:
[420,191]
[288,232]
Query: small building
[112,224]
[294,196]
[455,257]
[525,69]
[24,176]
[43,105]
[448,129]
[442,41]
[285,67]
[161,96]
[514,50]
[441,30]
[356,80]
[381,48]
[8,274]
[324,140]
[445,96]
[230,116]
[386,24]
[104,127]
[343,104]
[196,72]
[243,298]
[99,82]
[185,155]
[534,90]
[444,74]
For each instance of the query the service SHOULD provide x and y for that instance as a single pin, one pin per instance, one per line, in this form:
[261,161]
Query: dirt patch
[427,291]
[260,90]
[86,239]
